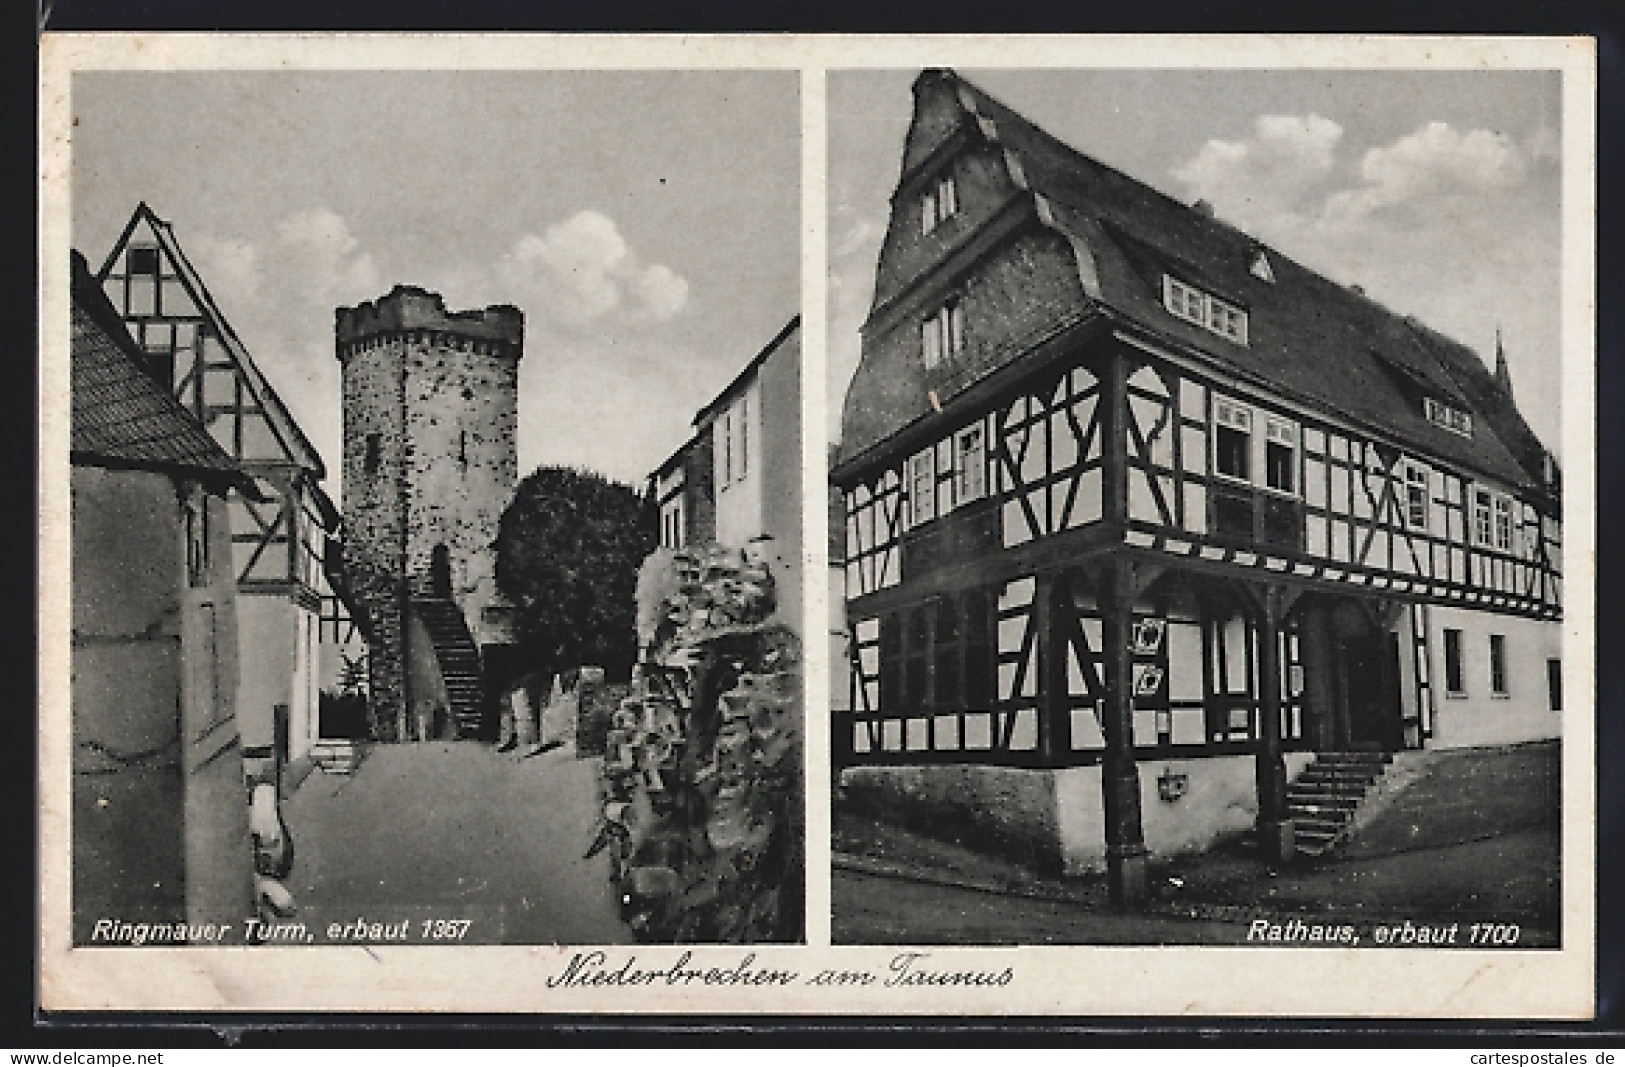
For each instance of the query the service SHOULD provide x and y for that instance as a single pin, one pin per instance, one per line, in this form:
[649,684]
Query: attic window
[1204,309]
[1260,267]
[939,204]
[143,259]
[1447,418]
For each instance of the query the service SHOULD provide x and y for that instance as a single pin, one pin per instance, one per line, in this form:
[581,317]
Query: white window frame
[939,204]
[1483,516]
[1501,520]
[942,336]
[1415,477]
[1447,418]
[1238,417]
[1286,433]
[970,478]
[1201,308]
[922,472]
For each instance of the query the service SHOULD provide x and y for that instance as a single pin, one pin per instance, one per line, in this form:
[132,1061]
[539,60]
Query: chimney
[1203,207]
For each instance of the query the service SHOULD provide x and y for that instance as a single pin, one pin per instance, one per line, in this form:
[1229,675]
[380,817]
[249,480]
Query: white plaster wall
[1220,799]
[1481,717]
[739,499]
[268,630]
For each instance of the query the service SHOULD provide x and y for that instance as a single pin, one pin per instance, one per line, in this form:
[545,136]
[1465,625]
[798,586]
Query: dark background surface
[1605,19]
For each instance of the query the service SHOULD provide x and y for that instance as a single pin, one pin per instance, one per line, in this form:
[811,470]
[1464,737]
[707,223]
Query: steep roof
[294,443]
[1308,338]
[121,417]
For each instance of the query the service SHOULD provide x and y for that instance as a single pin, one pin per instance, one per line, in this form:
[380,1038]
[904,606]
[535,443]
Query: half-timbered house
[1142,516]
[280,539]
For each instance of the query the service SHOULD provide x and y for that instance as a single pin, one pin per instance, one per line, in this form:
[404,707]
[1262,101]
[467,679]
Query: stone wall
[375,517]
[462,466]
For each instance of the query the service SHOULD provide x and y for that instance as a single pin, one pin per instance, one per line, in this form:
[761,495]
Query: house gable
[176,321]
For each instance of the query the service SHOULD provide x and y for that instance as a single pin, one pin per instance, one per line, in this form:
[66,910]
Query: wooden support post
[1276,835]
[1127,871]
[1054,715]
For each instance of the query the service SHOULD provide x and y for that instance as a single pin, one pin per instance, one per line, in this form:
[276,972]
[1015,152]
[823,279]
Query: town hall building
[1146,521]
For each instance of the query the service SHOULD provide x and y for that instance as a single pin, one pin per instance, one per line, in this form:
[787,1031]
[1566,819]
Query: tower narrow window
[744,435]
[374,448]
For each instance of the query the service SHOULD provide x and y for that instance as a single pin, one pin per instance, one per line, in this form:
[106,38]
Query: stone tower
[431,410]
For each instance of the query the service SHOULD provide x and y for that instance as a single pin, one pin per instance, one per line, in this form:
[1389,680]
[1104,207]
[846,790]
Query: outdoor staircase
[336,755]
[1323,799]
[459,660]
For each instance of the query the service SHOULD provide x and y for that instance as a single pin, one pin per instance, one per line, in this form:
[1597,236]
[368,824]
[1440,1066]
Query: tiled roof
[1309,338]
[121,416]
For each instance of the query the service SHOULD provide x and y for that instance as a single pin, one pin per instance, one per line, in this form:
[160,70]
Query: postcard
[840,525]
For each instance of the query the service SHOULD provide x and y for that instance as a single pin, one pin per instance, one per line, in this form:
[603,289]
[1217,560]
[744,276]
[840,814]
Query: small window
[1498,665]
[1503,523]
[1232,440]
[939,204]
[744,435]
[727,448]
[1281,455]
[1482,523]
[942,336]
[1554,684]
[1455,680]
[374,450]
[1260,267]
[970,465]
[1417,505]
[143,259]
[1204,309]
[1447,418]
[922,497]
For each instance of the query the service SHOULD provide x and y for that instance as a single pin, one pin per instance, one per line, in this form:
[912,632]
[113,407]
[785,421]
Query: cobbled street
[455,830]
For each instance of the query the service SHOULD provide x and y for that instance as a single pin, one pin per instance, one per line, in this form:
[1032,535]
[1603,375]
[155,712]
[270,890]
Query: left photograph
[435,508]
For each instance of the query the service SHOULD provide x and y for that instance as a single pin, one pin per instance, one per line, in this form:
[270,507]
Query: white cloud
[1434,161]
[227,265]
[581,269]
[318,246]
[1287,158]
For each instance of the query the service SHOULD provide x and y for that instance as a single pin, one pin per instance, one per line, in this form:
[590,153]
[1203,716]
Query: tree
[568,551]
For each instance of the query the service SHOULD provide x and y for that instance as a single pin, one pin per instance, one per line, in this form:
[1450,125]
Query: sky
[647,223]
[1438,192]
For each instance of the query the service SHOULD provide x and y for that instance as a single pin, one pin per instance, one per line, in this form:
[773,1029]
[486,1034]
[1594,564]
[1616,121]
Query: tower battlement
[498,329]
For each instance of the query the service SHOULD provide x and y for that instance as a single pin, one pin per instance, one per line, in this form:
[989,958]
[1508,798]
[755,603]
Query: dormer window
[942,336]
[1204,309]
[1447,418]
[1260,267]
[940,204]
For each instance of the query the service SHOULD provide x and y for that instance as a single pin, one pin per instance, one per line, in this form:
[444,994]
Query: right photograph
[1196,519]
